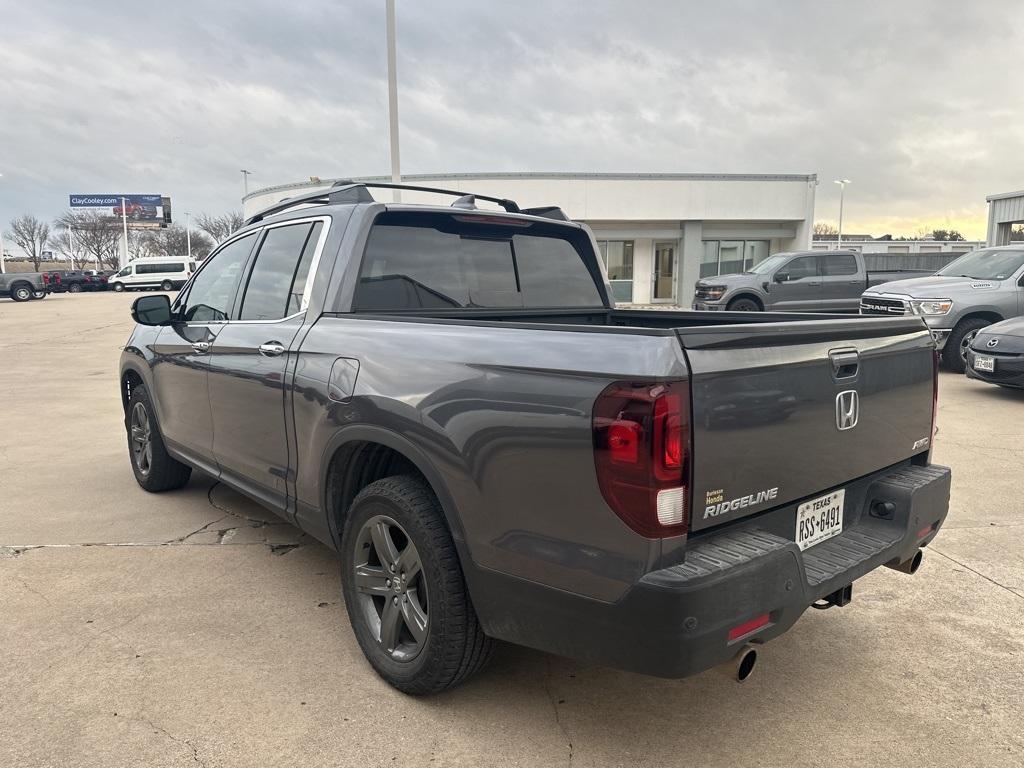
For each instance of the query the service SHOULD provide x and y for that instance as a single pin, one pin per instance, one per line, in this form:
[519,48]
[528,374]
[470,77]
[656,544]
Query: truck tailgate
[784,411]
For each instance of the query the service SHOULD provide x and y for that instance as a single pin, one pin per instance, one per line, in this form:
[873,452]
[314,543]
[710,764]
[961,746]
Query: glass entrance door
[664,287]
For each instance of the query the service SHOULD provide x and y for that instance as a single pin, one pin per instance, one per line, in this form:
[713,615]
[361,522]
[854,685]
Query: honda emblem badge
[847,409]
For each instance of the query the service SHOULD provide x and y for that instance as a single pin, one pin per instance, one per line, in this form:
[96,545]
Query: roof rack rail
[347,191]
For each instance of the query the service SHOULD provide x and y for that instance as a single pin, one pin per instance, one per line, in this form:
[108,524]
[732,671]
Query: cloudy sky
[917,101]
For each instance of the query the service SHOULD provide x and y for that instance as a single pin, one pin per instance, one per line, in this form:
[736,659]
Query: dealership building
[1005,215]
[658,233]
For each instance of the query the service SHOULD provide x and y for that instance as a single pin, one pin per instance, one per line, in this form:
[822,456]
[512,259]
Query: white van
[163,273]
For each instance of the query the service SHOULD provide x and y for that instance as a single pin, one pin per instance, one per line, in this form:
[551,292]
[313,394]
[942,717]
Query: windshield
[987,264]
[768,265]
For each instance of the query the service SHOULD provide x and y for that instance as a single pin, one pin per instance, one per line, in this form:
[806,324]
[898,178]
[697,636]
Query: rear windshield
[439,261]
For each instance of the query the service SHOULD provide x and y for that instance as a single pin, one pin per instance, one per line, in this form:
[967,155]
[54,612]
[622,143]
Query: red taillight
[641,443]
[747,627]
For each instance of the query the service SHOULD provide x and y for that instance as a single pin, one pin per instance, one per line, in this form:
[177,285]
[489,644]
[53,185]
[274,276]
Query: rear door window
[844,264]
[428,261]
[278,277]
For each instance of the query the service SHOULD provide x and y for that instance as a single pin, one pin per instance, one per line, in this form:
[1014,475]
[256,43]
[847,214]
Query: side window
[278,275]
[839,264]
[802,266]
[125,271]
[213,289]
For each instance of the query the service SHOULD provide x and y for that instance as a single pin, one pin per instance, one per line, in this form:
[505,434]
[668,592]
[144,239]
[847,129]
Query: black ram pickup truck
[448,397]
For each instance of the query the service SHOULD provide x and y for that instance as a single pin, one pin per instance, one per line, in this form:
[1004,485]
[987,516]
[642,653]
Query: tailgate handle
[845,363]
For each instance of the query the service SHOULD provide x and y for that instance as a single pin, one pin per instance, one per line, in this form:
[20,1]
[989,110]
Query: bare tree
[173,241]
[825,228]
[97,237]
[220,227]
[30,234]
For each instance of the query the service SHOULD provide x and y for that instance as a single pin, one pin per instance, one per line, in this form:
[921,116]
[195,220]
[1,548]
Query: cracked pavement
[194,628]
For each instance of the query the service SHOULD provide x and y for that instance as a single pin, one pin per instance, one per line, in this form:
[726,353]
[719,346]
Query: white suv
[165,274]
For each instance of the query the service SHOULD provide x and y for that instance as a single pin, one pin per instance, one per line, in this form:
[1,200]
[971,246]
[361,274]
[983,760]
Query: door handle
[272,349]
[201,346]
[814,284]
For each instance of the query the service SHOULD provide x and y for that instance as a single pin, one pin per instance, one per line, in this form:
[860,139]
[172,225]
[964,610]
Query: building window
[727,257]
[618,261]
[898,249]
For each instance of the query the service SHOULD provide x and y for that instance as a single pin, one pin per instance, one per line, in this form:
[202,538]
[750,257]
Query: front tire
[954,354]
[155,470]
[38,294]
[118,287]
[743,305]
[404,589]
[74,288]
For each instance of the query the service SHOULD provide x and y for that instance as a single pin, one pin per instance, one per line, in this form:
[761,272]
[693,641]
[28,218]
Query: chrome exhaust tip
[909,566]
[741,666]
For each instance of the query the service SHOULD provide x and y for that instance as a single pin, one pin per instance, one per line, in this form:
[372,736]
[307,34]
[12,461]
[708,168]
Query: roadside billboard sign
[136,208]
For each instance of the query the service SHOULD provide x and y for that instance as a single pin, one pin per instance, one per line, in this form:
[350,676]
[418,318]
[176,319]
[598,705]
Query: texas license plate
[819,519]
[984,363]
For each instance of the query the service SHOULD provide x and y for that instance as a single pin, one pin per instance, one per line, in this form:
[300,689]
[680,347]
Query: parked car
[22,286]
[166,274]
[450,399]
[72,281]
[801,281]
[99,278]
[973,291]
[996,354]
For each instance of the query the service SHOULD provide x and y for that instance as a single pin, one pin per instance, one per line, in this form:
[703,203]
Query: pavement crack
[554,707]
[177,740]
[977,573]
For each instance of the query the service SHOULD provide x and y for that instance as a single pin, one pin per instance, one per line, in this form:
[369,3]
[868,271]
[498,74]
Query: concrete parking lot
[193,628]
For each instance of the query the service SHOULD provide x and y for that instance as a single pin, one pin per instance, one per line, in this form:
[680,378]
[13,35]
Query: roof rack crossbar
[356,192]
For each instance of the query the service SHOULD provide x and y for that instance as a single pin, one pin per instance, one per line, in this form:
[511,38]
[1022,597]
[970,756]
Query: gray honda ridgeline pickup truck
[977,289]
[448,397]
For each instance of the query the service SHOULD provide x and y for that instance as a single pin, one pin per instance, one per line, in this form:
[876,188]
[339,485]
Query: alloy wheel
[141,437]
[392,593]
[965,344]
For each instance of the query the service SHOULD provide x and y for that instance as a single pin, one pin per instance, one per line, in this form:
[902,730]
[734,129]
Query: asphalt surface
[193,628]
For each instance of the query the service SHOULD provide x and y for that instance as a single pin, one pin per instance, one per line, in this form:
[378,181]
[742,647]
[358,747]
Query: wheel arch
[361,454]
[746,295]
[989,314]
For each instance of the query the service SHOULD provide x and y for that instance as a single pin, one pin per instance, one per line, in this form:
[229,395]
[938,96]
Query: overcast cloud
[918,102]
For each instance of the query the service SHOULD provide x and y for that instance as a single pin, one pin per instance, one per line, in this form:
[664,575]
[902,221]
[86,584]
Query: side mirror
[781,277]
[152,310]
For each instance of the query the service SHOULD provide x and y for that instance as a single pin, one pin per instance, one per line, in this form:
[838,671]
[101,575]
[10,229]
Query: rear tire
[954,354]
[435,640]
[166,285]
[743,305]
[21,292]
[154,469]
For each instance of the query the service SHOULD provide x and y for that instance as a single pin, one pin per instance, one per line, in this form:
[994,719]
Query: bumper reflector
[749,626]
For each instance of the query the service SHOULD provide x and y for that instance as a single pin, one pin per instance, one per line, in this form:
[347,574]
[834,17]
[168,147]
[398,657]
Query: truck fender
[416,456]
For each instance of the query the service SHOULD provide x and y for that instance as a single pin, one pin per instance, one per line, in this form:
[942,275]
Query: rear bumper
[675,622]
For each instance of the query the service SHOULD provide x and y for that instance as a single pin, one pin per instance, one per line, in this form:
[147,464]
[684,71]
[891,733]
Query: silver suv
[979,288]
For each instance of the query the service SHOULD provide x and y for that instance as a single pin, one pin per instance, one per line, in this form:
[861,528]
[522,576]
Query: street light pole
[124,223]
[188,233]
[71,246]
[245,180]
[396,174]
[842,189]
